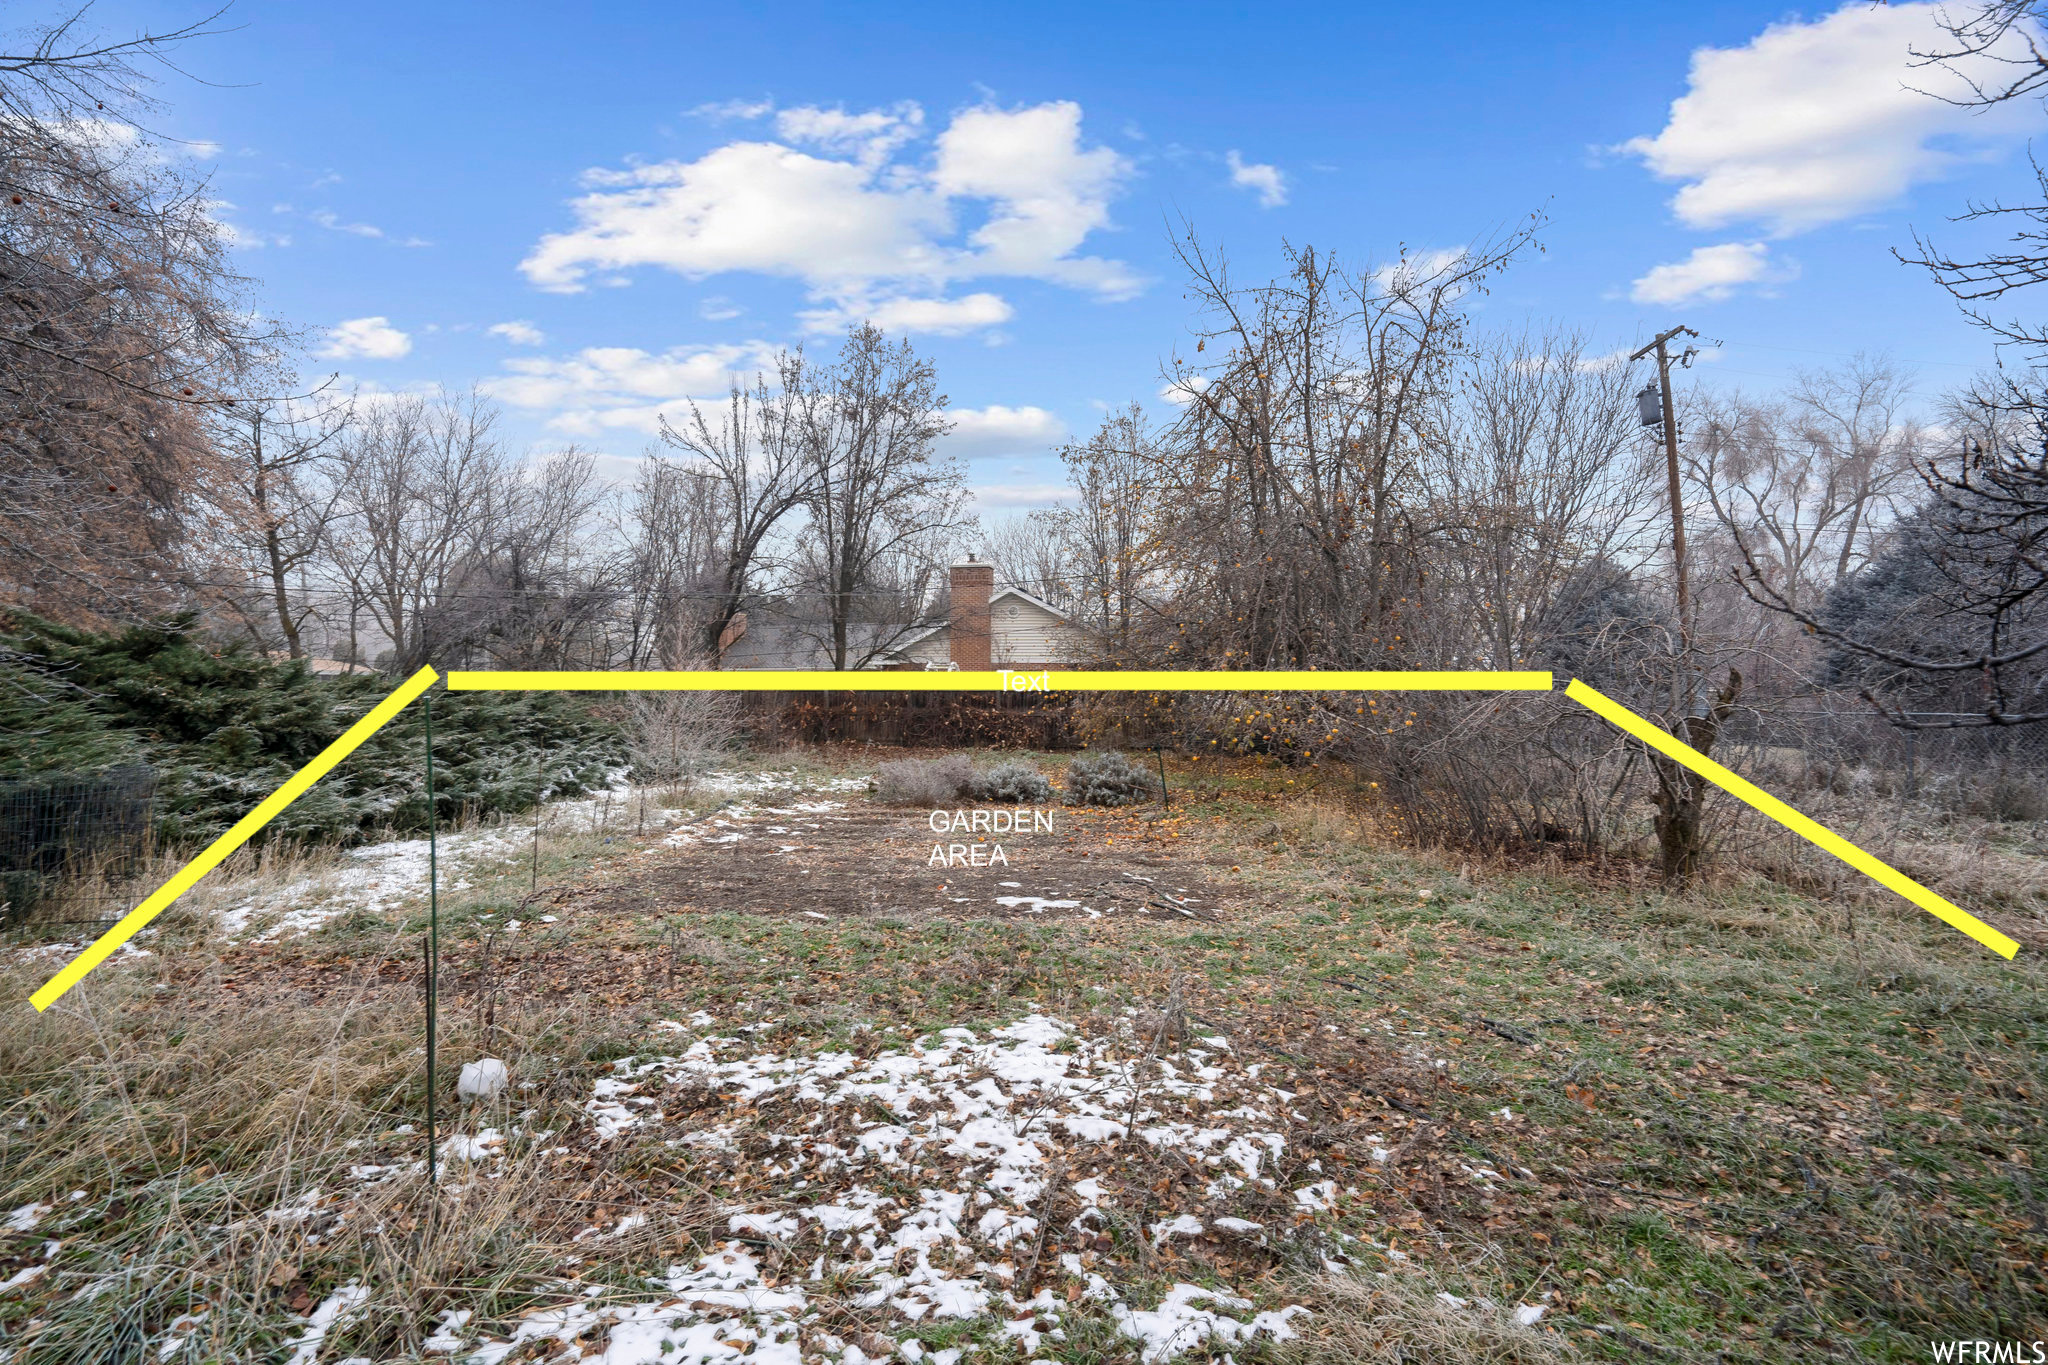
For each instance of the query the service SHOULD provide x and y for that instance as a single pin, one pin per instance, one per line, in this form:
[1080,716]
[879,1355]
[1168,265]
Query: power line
[461,595]
[1837,355]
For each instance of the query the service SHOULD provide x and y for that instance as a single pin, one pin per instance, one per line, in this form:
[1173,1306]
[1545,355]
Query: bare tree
[100,218]
[1808,486]
[1993,51]
[1537,472]
[1357,482]
[120,319]
[754,463]
[674,529]
[1971,561]
[880,503]
[1116,553]
[418,482]
[674,737]
[1292,472]
[1030,550]
[540,589]
[275,508]
[1956,610]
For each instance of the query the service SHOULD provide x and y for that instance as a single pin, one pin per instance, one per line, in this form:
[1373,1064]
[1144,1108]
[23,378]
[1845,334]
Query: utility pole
[1670,423]
[1680,794]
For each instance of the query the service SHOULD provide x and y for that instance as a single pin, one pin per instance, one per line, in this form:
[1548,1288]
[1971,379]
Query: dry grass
[187,1128]
[104,892]
[1993,868]
[1331,818]
[1997,869]
[186,1115]
[1402,1318]
[199,1134]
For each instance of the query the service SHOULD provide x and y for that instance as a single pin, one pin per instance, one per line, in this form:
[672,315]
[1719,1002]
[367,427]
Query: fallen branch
[1514,1033]
[1052,1189]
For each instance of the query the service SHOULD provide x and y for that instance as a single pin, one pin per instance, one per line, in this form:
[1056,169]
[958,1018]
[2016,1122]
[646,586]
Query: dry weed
[241,1160]
[923,781]
[1404,1318]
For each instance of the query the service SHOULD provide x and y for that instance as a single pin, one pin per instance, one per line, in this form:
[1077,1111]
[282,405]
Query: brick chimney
[970,634]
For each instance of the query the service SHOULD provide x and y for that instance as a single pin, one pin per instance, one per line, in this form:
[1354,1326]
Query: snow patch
[334,1310]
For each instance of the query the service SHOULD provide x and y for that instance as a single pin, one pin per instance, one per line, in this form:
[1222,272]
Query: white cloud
[517,332]
[614,388]
[126,142]
[717,308]
[241,238]
[1710,274]
[330,220]
[1810,123]
[862,227]
[1184,390]
[249,239]
[945,317]
[871,137]
[618,470]
[365,339]
[1002,495]
[994,431]
[369,392]
[606,389]
[726,111]
[1267,181]
[1419,268]
[1046,194]
[756,206]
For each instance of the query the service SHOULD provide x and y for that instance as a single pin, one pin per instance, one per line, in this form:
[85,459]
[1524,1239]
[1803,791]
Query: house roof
[775,642]
[1034,601]
[998,595]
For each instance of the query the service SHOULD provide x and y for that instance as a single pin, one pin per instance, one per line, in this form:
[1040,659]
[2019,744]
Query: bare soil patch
[831,859]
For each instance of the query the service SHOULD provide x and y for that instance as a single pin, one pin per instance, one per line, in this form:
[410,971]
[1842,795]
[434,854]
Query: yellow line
[220,848]
[872,680]
[1810,830]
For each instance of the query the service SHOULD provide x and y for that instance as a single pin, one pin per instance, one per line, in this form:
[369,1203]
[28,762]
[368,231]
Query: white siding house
[1023,633]
[987,628]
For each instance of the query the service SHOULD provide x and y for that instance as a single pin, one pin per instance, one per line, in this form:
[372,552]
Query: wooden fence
[916,719]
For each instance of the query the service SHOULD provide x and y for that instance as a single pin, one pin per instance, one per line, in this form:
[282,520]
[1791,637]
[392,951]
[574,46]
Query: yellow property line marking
[1045,680]
[1810,830]
[244,828]
[1178,680]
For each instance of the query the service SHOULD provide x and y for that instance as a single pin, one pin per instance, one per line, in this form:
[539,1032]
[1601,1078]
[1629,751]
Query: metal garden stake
[433,934]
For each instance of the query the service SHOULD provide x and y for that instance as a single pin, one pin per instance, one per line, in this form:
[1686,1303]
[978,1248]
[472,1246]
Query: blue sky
[638,198]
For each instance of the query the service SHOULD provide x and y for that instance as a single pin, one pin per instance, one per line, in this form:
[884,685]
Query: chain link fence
[1995,771]
[67,843]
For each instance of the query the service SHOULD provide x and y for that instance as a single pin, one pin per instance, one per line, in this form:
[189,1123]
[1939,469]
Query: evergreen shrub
[1012,782]
[223,727]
